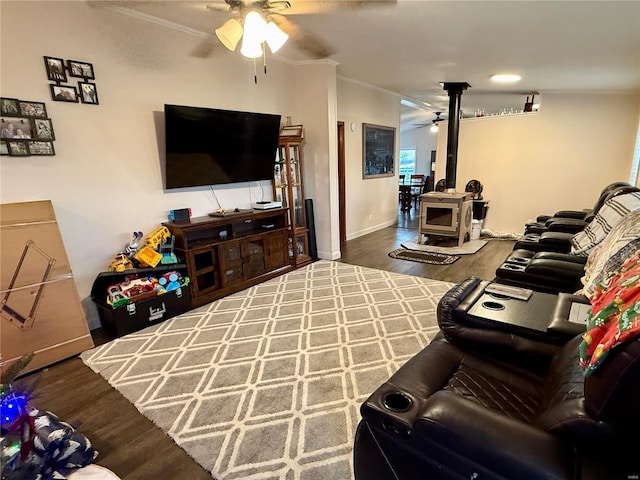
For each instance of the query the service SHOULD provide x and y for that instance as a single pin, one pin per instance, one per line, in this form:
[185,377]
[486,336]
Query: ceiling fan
[434,122]
[274,13]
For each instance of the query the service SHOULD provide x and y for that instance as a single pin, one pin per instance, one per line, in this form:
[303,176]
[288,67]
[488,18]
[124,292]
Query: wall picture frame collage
[25,128]
[59,71]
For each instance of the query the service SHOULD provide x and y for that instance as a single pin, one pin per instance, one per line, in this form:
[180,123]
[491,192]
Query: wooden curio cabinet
[289,189]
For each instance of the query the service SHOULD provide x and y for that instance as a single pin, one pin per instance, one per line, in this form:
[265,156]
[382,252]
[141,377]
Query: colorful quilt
[614,316]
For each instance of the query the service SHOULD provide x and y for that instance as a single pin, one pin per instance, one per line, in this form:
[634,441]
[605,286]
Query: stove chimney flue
[454,89]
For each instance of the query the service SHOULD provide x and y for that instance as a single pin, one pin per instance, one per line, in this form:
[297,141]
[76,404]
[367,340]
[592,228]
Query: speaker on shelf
[311,225]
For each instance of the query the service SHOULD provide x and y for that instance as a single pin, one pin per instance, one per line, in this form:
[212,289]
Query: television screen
[206,146]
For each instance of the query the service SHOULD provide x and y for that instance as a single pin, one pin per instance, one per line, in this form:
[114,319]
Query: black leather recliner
[573,221]
[463,408]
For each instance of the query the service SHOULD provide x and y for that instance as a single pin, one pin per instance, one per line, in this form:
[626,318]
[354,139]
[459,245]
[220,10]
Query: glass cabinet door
[288,188]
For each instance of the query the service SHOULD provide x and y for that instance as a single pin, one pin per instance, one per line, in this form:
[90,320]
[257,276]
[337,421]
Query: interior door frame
[342,185]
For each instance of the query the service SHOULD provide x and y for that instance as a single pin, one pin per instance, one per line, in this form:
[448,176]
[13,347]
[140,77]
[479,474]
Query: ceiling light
[230,33]
[254,34]
[275,37]
[434,128]
[506,77]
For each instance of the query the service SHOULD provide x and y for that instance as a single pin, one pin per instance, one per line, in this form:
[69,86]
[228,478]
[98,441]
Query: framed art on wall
[81,69]
[55,69]
[41,148]
[9,106]
[43,129]
[378,151]
[61,93]
[33,109]
[15,127]
[88,93]
[18,148]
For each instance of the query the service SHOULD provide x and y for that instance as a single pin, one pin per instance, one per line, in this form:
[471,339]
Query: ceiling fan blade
[302,7]
[205,47]
[218,6]
[303,39]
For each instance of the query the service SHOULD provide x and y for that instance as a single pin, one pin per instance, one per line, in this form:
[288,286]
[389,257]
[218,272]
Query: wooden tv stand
[228,254]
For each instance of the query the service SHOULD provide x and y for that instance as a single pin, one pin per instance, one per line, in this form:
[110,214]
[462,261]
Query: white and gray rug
[267,383]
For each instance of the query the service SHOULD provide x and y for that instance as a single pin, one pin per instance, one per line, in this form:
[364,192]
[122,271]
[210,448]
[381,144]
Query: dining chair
[417,185]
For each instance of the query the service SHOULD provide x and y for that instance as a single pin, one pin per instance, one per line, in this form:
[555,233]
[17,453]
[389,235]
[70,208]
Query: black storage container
[143,313]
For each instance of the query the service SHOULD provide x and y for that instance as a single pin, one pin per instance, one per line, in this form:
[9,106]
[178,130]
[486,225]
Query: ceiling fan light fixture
[275,37]
[254,35]
[506,77]
[230,33]
[434,128]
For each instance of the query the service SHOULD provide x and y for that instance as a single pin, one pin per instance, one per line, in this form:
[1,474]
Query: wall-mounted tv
[206,146]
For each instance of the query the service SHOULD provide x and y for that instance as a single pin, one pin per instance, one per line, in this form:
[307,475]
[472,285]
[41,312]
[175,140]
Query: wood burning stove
[446,214]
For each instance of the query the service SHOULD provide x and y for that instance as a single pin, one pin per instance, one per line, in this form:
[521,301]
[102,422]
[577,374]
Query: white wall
[424,141]
[105,179]
[371,204]
[317,100]
[536,164]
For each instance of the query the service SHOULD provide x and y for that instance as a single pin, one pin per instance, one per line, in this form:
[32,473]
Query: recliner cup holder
[493,306]
[396,402]
[518,260]
[498,296]
[513,266]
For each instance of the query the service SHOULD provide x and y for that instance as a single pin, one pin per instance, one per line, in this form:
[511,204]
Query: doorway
[342,185]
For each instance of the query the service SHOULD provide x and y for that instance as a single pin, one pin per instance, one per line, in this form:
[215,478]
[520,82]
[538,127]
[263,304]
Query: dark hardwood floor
[132,447]
[372,251]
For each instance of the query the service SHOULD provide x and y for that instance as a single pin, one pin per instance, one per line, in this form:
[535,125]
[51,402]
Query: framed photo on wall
[9,106]
[55,69]
[43,129]
[18,148]
[61,93]
[88,93]
[378,151]
[81,69]
[33,109]
[41,148]
[15,127]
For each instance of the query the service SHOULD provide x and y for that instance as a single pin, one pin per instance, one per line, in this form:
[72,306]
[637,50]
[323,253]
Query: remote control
[509,291]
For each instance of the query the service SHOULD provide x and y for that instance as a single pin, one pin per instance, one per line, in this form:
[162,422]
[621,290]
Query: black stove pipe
[454,89]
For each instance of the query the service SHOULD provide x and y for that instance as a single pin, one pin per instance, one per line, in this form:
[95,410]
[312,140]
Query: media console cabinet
[230,253]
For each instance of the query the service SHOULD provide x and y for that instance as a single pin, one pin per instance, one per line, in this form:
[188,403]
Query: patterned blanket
[614,316]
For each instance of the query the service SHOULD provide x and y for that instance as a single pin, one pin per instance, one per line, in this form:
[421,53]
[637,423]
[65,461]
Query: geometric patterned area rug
[267,383]
[423,257]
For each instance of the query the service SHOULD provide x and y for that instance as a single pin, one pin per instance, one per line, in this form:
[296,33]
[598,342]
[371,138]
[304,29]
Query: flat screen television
[206,146]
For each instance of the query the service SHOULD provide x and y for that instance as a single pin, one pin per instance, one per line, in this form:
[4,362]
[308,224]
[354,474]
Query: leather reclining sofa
[554,261]
[488,400]
[483,403]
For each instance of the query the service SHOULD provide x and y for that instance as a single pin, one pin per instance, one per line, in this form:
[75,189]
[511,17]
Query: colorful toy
[148,257]
[168,258]
[155,238]
[120,263]
[170,281]
[133,244]
[115,297]
[136,289]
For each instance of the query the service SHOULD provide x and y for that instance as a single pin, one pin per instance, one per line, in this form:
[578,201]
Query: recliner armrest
[452,426]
